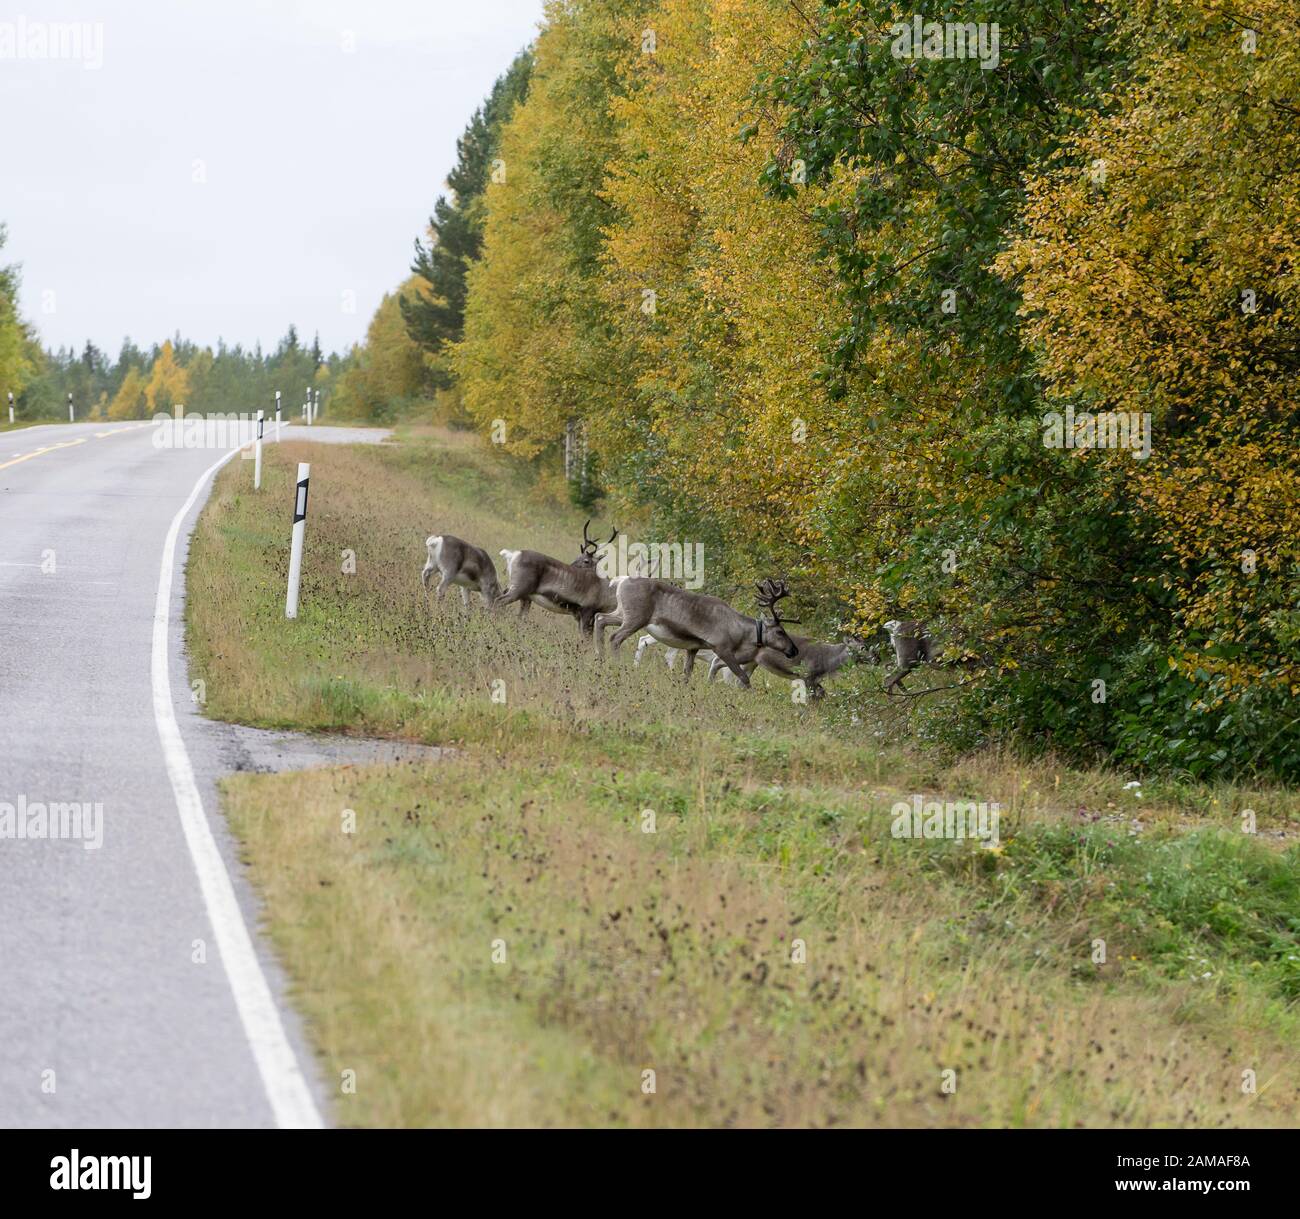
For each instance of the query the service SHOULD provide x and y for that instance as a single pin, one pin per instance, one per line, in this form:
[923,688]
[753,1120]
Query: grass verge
[502,941]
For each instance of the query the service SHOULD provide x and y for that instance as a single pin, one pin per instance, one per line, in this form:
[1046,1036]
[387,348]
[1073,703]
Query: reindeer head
[587,557]
[772,634]
[858,648]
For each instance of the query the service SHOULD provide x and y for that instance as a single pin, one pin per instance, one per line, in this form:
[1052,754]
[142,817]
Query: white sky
[322,165]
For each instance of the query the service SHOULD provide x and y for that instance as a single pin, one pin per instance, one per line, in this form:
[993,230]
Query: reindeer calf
[912,645]
[814,663]
[463,564]
[704,656]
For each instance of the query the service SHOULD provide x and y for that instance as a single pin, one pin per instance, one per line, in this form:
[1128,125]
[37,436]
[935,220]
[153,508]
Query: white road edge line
[286,1088]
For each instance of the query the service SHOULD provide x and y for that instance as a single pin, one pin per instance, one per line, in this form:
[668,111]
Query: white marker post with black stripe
[257,452]
[72,418]
[277,416]
[11,406]
[299,532]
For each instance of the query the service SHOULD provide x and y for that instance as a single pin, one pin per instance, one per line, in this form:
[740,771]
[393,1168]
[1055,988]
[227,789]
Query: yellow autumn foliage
[1165,279]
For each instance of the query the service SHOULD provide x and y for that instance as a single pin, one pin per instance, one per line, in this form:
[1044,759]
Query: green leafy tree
[17,365]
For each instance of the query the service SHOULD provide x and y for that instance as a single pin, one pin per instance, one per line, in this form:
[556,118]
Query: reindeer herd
[687,623]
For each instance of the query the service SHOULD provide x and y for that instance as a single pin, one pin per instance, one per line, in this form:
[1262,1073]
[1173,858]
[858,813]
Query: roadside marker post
[299,532]
[257,452]
[277,416]
[72,418]
[11,406]
[316,408]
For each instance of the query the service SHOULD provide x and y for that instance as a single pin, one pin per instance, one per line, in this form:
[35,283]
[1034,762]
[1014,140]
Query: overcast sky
[231,166]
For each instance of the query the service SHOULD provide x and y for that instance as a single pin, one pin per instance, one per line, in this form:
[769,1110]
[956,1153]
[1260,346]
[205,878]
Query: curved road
[134,990]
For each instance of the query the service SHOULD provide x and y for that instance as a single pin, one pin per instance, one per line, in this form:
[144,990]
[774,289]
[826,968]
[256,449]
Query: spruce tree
[437,316]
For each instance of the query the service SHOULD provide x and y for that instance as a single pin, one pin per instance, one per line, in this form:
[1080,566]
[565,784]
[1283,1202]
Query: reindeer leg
[734,665]
[689,663]
[624,632]
[429,569]
[599,623]
[464,596]
[517,592]
[897,680]
[443,585]
[714,665]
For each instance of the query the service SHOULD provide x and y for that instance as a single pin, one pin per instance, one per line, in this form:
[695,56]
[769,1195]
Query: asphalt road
[134,988]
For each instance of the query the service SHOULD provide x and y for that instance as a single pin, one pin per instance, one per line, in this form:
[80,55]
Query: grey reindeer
[463,564]
[912,645]
[574,588]
[693,621]
[815,662]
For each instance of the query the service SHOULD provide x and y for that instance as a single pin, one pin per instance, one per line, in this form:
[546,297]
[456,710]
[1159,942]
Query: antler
[769,593]
[589,544]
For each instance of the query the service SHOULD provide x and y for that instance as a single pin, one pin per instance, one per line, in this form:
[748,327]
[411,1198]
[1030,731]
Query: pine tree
[437,316]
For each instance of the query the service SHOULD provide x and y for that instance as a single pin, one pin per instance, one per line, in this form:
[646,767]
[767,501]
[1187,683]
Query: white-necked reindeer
[815,662]
[912,646]
[463,564]
[694,621]
[563,588]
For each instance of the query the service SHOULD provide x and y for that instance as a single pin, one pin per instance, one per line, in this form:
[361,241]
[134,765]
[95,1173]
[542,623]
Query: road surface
[134,988]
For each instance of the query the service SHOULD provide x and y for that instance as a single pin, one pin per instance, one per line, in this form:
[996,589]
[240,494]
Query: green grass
[19,424]
[672,951]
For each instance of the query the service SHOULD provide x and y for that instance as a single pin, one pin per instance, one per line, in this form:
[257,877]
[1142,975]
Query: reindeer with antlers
[694,621]
[563,588]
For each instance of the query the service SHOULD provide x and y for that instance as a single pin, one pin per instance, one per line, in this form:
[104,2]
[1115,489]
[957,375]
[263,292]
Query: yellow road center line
[63,444]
